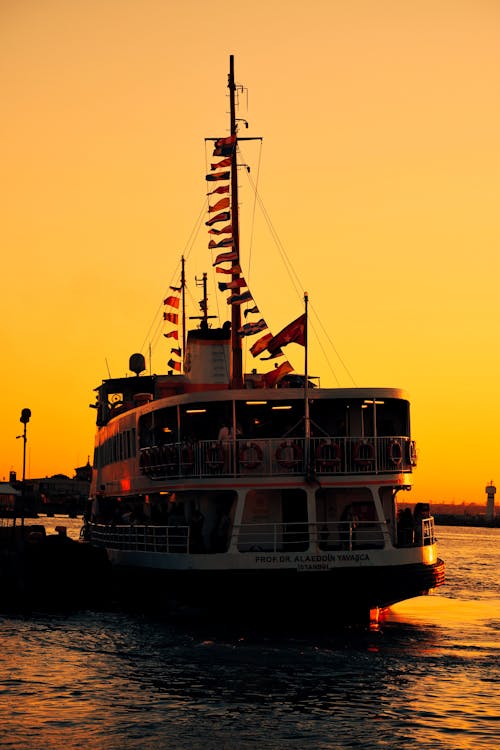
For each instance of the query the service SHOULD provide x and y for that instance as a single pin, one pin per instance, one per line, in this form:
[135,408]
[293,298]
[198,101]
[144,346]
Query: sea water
[428,677]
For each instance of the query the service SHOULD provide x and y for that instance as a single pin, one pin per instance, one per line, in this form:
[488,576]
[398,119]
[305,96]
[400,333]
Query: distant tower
[490,502]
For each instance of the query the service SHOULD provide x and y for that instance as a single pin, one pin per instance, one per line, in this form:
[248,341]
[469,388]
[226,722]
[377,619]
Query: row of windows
[120,447]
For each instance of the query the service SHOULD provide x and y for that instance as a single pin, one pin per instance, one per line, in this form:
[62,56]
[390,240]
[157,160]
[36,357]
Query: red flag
[224,146]
[223,203]
[273,377]
[294,332]
[217,176]
[221,164]
[276,353]
[172,335]
[171,317]
[178,352]
[249,329]
[239,299]
[249,310]
[174,365]
[229,140]
[172,301]
[261,344]
[224,216]
[236,284]
[220,189]
[234,270]
[226,230]
[222,257]
[227,242]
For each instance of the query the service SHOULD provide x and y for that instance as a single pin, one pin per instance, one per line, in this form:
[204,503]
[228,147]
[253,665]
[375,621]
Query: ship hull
[329,597]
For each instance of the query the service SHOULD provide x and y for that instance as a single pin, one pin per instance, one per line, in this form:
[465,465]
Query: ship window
[347,516]
[270,419]
[274,521]
[203,421]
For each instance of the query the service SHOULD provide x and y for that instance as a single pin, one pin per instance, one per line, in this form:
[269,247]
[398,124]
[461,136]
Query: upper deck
[237,433]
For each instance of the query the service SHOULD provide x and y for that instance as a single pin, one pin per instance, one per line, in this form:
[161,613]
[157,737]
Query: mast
[236,366]
[203,303]
[183,288]
[306,390]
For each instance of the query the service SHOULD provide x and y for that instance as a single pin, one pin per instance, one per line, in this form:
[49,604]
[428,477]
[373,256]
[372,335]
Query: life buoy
[215,456]
[364,453]
[250,455]
[329,455]
[289,454]
[395,452]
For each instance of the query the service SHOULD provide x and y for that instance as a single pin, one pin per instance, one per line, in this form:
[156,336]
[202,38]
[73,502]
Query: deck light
[196,411]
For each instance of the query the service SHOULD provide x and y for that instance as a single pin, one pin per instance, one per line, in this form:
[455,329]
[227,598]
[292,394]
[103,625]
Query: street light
[24,419]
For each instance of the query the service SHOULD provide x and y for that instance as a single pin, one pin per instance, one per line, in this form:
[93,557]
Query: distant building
[8,497]
[490,502]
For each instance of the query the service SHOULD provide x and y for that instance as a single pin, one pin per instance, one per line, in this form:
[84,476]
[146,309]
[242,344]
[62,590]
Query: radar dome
[137,363]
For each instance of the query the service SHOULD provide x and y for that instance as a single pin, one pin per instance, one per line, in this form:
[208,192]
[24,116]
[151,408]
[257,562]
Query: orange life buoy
[289,454]
[329,455]
[395,452]
[250,455]
[364,453]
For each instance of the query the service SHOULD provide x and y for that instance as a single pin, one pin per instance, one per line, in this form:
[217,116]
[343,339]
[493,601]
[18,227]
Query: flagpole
[183,287]
[236,370]
[307,450]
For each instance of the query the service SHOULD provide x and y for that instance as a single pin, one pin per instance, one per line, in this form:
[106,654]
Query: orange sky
[380,172]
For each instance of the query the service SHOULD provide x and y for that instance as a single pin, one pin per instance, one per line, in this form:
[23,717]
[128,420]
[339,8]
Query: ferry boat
[260,494]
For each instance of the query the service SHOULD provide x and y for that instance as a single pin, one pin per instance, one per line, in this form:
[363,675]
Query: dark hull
[334,596]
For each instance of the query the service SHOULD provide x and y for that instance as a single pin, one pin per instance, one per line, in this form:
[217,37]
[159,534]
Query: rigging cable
[298,288]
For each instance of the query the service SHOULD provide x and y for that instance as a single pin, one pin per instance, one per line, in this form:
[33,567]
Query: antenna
[203,302]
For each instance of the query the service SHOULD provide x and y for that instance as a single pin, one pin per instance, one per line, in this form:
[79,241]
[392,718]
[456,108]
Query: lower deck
[302,518]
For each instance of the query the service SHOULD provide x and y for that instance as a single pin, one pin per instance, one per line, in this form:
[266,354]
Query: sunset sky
[378,178]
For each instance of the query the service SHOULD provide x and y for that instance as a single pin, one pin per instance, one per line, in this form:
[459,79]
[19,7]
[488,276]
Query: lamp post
[24,419]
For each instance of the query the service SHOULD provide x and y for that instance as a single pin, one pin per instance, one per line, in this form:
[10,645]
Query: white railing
[261,537]
[420,533]
[279,456]
[141,538]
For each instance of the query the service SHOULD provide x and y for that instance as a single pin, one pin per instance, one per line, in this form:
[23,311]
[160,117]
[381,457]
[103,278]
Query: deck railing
[271,538]
[279,456]
[135,538]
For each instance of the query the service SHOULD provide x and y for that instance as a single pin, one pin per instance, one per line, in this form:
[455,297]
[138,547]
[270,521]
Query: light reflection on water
[425,679]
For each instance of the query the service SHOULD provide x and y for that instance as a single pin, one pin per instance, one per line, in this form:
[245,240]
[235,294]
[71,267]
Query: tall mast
[183,288]
[307,416]
[236,369]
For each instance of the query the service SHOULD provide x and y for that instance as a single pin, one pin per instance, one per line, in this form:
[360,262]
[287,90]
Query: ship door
[294,515]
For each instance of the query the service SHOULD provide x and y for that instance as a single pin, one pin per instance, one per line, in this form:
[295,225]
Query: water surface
[427,678]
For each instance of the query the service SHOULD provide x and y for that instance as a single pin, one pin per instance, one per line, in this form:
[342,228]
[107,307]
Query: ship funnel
[137,363]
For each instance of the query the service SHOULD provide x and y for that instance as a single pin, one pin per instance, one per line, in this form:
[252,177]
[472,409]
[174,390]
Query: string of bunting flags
[220,212]
[173,301]
[294,331]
